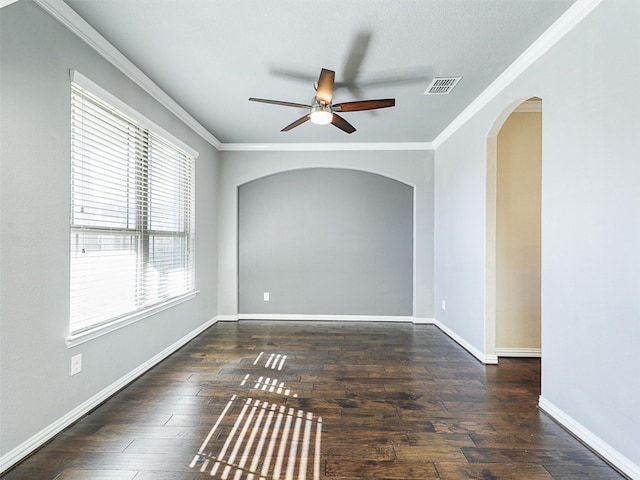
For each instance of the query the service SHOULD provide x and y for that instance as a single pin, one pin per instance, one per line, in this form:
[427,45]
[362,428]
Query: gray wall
[326,241]
[36,389]
[590,225]
[414,168]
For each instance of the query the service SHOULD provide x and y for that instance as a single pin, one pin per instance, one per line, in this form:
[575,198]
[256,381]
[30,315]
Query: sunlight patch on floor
[254,439]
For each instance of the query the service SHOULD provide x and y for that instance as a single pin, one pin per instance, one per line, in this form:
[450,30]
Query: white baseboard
[519,352]
[328,318]
[606,451]
[490,359]
[21,451]
[424,320]
[486,359]
[324,318]
[12,457]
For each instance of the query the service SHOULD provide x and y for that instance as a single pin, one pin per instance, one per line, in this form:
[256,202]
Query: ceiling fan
[322,111]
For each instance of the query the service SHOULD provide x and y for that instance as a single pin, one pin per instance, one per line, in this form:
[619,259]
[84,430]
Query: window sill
[76,339]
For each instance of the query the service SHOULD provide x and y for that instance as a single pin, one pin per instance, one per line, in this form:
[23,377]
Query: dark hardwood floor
[299,400]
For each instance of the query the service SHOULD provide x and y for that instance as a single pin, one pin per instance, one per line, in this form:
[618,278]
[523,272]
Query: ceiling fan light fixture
[321,114]
[321,111]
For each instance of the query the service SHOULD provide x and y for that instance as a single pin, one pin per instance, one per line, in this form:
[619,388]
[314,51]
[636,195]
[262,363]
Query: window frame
[103,327]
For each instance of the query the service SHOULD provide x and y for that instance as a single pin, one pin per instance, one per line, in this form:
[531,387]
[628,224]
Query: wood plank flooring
[300,400]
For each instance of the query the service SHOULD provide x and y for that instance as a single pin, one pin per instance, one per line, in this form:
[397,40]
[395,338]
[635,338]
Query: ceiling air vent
[442,85]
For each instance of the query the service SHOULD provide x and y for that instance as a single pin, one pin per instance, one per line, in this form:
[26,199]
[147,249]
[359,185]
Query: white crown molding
[324,147]
[76,24]
[602,448]
[15,455]
[59,10]
[70,19]
[4,3]
[572,17]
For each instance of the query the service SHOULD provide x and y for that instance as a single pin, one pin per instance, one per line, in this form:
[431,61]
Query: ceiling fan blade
[300,121]
[324,92]
[293,75]
[278,102]
[342,124]
[356,56]
[364,105]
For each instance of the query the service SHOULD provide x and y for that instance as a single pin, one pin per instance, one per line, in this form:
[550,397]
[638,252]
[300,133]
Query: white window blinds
[132,215]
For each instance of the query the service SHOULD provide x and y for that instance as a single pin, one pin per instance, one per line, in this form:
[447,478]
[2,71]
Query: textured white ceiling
[211,56]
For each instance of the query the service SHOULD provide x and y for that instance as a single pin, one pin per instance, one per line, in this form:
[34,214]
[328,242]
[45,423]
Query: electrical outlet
[444,304]
[265,296]
[76,364]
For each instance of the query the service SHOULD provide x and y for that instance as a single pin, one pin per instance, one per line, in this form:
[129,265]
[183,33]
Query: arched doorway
[514,170]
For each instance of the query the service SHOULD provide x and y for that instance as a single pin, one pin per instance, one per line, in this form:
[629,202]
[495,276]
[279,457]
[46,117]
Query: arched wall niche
[326,241]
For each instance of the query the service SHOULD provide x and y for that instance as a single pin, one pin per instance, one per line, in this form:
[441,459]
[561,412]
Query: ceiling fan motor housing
[321,114]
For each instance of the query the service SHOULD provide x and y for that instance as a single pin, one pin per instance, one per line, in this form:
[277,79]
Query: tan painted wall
[518,232]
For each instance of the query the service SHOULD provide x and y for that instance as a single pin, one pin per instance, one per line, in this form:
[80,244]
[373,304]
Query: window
[132,214]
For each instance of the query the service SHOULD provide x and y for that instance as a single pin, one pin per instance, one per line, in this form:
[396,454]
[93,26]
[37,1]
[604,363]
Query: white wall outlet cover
[76,364]
[444,304]
[266,296]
